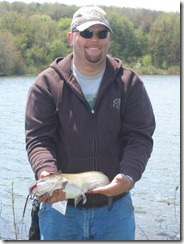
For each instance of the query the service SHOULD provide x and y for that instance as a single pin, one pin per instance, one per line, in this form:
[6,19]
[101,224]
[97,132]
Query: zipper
[92,111]
[94,139]
[94,197]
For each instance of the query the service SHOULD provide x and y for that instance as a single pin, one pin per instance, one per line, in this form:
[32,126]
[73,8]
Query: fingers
[58,195]
[44,173]
[101,190]
[44,197]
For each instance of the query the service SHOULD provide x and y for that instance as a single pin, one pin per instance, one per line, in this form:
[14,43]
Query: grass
[13,211]
[18,228]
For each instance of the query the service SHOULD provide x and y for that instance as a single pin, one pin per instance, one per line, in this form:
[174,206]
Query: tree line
[33,35]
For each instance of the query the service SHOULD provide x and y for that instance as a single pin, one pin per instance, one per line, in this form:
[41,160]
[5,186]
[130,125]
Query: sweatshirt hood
[62,66]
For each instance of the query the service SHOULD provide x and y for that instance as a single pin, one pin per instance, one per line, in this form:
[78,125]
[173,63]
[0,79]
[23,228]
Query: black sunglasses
[102,34]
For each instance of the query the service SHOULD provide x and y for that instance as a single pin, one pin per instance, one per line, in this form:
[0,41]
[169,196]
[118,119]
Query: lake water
[156,196]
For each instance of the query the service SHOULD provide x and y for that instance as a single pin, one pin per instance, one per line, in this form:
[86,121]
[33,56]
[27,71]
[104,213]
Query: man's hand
[58,195]
[118,185]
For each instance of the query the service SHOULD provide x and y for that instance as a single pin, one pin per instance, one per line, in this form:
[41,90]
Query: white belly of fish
[74,192]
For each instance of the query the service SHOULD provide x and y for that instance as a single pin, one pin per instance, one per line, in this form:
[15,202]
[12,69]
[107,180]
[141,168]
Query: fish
[74,185]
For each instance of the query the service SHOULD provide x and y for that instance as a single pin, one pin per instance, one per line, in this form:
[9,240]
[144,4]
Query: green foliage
[58,49]
[123,42]
[33,35]
[147,60]
[164,40]
[10,58]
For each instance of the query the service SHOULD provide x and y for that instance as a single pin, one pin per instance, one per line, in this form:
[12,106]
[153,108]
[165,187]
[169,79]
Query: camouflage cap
[88,16]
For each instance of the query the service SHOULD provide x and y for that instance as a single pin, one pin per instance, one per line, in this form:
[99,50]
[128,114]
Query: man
[87,112]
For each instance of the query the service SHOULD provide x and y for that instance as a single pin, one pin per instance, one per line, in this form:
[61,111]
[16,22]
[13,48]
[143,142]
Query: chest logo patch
[116,103]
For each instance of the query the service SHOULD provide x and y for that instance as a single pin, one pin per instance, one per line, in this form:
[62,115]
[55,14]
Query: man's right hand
[58,195]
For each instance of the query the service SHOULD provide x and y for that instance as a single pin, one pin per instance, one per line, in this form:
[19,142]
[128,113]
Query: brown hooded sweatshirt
[64,133]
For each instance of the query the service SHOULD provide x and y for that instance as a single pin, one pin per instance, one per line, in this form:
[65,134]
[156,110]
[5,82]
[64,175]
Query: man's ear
[70,38]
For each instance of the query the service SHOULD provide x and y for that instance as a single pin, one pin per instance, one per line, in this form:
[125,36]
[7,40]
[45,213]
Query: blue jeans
[89,224]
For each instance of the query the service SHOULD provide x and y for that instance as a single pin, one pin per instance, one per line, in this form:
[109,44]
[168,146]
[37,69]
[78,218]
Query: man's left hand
[118,185]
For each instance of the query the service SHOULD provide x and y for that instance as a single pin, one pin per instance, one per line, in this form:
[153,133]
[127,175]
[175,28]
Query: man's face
[92,49]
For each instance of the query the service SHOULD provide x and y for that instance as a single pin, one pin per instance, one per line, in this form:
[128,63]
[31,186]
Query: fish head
[44,185]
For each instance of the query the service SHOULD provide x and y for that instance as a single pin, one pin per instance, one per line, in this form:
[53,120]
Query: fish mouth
[32,187]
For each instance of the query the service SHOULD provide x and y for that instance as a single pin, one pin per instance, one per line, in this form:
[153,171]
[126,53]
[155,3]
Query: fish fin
[65,182]
[81,197]
[77,200]
[84,198]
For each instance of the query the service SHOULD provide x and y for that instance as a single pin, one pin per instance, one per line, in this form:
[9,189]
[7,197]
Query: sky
[163,5]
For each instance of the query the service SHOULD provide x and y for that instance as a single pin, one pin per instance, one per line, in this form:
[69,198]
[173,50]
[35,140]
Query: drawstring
[57,101]
[60,89]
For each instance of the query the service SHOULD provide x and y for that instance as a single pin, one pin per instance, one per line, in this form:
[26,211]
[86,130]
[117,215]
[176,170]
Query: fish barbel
[74,185]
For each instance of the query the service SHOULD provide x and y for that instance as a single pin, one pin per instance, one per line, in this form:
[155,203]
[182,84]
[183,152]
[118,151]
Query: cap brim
[86,25]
